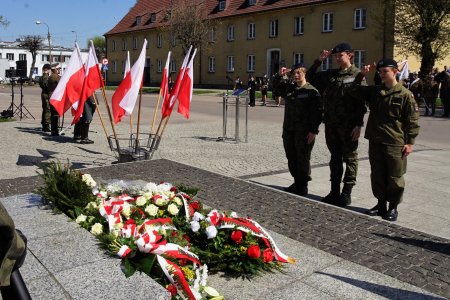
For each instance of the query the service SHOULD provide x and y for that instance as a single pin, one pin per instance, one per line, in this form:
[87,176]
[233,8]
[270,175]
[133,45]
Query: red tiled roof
[144,9]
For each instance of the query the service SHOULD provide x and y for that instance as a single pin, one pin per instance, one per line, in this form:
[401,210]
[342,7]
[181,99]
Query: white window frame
[159,40]
[135,43]
[230,33]
[273,28]
[251,31]
[251,63]
[327,22]
[327,63]
[299,25]
[10,56]
[299,58]
[359,58]
[360,18]
[159,65]
[211,64]
[212,35]
[230,63]
[222,5]
[22,56]
[138,20]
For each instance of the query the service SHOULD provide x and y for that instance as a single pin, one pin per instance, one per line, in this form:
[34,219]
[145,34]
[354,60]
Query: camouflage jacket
[43,83]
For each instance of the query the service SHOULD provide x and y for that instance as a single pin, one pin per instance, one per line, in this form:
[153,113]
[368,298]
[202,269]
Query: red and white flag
[164,88]
[124,98]
[186,87]
[168,105]
[68,90]
[92,81]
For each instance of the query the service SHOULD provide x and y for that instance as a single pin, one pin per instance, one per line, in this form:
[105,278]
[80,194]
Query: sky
[88,18]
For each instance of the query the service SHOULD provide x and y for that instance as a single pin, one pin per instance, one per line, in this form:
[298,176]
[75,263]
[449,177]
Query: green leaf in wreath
[127,268]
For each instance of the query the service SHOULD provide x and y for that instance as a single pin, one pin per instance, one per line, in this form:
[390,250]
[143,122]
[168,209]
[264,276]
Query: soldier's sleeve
[410,119]
[318,79]
[316,111]
[279,84]
[360,93]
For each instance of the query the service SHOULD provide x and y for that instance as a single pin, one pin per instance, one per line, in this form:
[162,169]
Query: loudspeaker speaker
[10,73]
[21,68]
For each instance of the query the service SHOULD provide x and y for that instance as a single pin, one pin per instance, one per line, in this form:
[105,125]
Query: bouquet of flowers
[161,230]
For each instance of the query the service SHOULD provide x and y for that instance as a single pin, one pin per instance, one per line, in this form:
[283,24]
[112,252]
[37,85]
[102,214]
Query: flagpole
[138,120]
[111,120]
[131,125]
[100,115]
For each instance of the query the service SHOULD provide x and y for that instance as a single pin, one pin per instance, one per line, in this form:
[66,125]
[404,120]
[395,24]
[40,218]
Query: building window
[251,63]
[251,2]
[114,67]
[172,66]
[251,31]
[211,64]
[66,58]
[123,66]
[359,58]
[56,58]
[273,30]
[135,43]
[230,33]
[212,35]
[159,40]
[298,58]
[159,65]
[327,22]
[326,64]
[113,45]
[152,18]
[360,18]
[230,63]
[45,57]
[10,56]
[124,44]
[299,25]
[22,57]
[222,5]
[138,20]
[173,40]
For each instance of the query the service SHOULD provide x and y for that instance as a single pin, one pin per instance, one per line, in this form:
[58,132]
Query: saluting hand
[368,68]
[284,70]
[324,54]
[356,132]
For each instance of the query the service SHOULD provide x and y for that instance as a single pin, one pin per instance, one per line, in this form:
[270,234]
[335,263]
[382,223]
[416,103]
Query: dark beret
[342,47]
[47,67]
[387,62]
[298,65]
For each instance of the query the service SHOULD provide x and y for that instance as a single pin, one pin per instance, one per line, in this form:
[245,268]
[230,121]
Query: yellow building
[253,37]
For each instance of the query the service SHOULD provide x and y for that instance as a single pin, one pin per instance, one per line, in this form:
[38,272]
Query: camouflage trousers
[387,170]
[298,154]
[45,121]
[342,150]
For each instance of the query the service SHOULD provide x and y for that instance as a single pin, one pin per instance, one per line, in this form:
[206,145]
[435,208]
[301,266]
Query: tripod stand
[19,109]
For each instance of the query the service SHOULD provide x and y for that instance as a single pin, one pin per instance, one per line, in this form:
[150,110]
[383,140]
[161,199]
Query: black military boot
[54,126]
[291,189]
[392,213]
[345,198]
[302,189]
[378,210]
[333,195]
[84,134]
[77,132]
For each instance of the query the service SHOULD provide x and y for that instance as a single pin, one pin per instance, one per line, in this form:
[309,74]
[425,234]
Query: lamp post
[48,37]
[76,36]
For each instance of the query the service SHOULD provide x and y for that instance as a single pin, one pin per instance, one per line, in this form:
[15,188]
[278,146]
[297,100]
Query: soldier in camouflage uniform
[391,130]
[52,83]
[45,98]
[302,117]
[343,118]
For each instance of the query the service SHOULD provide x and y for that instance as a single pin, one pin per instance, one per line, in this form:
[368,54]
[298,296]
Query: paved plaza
[342,254]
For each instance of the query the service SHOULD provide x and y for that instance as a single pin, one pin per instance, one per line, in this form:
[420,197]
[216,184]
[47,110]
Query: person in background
[53,81]
[264,89]
[443,78]
[81,130]
[251,88]
[238,83]
[302,117]
[45,98]
[430,94]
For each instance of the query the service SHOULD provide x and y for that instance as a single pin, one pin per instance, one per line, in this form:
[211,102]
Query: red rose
[173,189]
[130,222]
[268,255]
[172,290]
[195,205]
[236,236]
[254,251]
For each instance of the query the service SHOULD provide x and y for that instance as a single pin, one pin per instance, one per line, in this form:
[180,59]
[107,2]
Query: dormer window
[153,18]
[222,5]
[138,20]
[251,2]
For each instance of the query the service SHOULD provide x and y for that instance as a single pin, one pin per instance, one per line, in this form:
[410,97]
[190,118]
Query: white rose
[211,232]
[126,210]
[115,233]
[197,216]
[92,204]
[150,187]
[152,210]
[233,214]
[103,194]
[178,201]
[141,201]
[161,201]
[80,219]
[173,209]
[147,195]
[195,226]
[118,225]
[88,180]
[97,229]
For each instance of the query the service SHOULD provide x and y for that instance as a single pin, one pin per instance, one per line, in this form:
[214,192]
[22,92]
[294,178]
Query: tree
[99,45]
[422,28]
[33,43]
[3,22]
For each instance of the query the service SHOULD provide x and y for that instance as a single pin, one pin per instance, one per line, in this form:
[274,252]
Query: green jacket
[340,108]
[303,105]
[11,246]
[53,81]
[43,83]
[394,114]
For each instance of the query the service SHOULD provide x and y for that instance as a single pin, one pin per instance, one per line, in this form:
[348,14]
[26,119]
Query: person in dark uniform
[391,130]
[45,98]
[343,118]
[251,88]
[443,78]
[302,117]
[264,89]
[430,94]
[81,130]
[52,83]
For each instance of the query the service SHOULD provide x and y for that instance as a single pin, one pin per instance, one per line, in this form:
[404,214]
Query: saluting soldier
[343,118]
[45,98]
[302,117]
[52,83]
[391,130]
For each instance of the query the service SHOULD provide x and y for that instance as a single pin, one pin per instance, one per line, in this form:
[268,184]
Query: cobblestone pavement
[410,256]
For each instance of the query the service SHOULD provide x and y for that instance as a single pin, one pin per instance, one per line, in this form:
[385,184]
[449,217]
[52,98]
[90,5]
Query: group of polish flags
[80,80]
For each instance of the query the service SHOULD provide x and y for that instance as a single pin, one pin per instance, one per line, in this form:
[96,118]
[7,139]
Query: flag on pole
[117,110]
[164,88]
[92,81]
[186,87]
[68,90]
[404,71]
[124,98]
[168,105]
